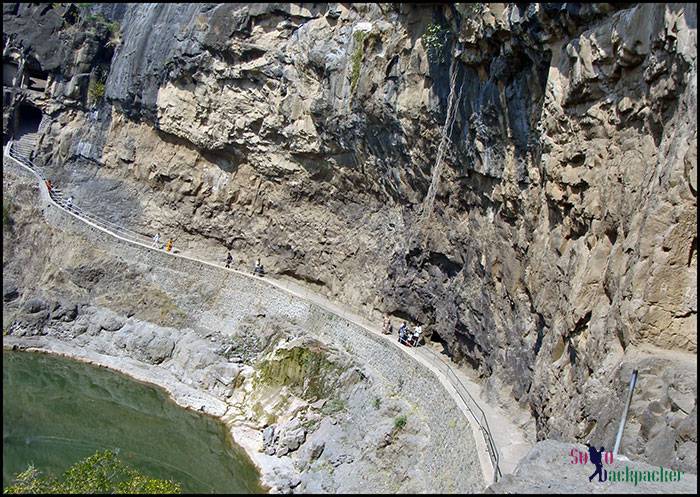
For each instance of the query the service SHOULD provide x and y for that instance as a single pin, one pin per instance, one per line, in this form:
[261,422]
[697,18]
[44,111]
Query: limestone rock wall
[561,248]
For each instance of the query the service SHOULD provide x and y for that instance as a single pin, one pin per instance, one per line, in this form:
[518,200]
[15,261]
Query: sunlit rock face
[560,252]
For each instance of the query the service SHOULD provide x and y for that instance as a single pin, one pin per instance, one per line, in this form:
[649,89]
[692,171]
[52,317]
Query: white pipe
[618,439]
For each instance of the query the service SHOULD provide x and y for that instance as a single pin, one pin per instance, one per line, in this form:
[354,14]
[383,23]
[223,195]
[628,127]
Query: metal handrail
[58,198]
[480,420]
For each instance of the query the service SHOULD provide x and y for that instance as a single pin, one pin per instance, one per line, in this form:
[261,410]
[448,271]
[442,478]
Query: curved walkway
[500,442]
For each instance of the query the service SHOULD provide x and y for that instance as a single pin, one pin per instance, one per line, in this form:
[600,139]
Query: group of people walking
[257,269]
[68,202]
[168,245]
[406,336]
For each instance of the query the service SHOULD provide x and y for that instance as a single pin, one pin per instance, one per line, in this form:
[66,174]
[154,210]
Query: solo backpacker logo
[599,457]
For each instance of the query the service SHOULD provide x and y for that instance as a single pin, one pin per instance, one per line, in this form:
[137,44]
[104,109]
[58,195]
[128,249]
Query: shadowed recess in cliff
[508,101]
[470,350]
[28,118]
[419,258]
[303,277]
[228,159]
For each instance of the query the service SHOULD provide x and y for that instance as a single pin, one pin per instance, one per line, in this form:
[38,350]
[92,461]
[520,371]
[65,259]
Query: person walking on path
[387,328]
[403,333]
[156,241]
[417,332]
[169,245]
[229,259]
[259,270]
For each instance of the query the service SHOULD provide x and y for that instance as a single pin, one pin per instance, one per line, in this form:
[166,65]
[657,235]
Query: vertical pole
[618,439]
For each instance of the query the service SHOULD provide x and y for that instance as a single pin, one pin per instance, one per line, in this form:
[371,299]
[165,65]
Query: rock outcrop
[560,250]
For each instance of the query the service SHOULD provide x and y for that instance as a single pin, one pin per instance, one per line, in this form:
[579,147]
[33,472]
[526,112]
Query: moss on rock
[305,368]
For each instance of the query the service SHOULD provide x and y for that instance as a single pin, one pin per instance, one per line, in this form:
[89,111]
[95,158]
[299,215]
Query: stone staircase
[26,145]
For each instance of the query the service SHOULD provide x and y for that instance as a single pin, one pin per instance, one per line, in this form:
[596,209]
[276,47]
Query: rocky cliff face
[559,253]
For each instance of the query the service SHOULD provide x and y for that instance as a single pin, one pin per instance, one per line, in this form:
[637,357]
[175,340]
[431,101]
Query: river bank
[57,411]
[183,395]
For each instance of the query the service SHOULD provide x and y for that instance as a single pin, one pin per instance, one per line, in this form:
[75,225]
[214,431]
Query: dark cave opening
[71,15]
[447,266]
[27,120]
[401,316]
[36,79]
[435,338]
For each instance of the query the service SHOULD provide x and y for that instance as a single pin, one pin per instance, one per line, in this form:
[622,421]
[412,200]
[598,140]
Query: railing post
[618,439]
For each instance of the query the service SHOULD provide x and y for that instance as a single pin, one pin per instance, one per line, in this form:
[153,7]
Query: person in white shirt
[417,332]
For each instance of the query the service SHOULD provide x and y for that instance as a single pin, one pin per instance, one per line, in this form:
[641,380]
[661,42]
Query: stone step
[22,147]
[24,150]
[25,146]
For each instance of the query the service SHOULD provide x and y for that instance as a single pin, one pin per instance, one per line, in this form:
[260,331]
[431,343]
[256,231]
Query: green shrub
[94,21]
[400,422]
[113,27]
[96,90]
[102,472]
[434,40]
[377,402]
[333,406]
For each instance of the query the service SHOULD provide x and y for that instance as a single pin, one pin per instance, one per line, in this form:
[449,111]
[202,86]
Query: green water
[56,411]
